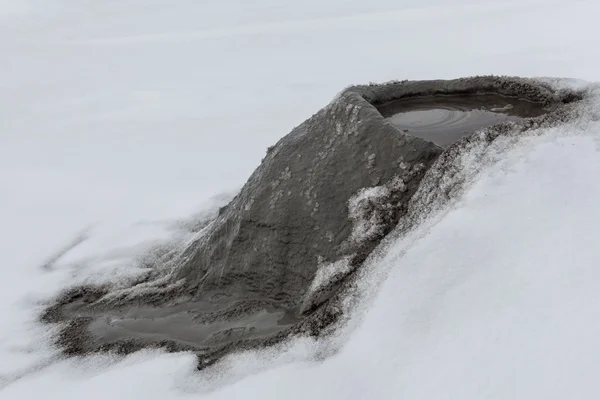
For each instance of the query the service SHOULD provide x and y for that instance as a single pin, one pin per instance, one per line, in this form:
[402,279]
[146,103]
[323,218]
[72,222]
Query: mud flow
[445,119]
[197,324]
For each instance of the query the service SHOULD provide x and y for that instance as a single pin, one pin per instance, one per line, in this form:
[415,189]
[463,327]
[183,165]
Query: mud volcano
[281,255]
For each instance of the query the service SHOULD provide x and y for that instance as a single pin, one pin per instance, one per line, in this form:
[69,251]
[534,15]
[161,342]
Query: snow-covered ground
[120,119]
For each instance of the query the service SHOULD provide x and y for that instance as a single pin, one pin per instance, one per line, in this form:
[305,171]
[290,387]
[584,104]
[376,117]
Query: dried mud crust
[249,279]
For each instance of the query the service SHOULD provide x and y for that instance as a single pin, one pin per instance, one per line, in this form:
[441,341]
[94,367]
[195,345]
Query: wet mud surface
[443,119]
[282,257]
[194,324]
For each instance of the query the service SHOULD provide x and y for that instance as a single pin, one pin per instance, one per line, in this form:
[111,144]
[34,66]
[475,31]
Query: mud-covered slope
[276,260]
[292,215]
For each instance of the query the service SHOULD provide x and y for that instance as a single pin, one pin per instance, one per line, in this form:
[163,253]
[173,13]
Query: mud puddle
[186,328]
[197,324]
[445,119]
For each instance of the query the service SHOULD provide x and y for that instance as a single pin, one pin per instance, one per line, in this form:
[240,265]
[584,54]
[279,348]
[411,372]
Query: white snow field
[121,120]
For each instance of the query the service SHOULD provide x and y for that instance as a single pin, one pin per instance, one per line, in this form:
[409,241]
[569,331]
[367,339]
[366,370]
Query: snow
[120,120]
[327,273]
[365,227]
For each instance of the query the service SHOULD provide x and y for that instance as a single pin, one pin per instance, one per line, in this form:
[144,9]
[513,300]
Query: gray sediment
[443,119]
[280,257]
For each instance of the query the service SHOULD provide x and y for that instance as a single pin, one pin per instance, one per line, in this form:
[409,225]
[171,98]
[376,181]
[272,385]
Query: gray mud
[444,119]
[197,324]
[279,259]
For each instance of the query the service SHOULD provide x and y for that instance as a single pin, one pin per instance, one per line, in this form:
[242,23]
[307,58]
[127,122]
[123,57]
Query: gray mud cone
[281,256]
[292,214]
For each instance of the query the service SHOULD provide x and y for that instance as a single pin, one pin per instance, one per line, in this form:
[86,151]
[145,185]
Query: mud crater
[443,119]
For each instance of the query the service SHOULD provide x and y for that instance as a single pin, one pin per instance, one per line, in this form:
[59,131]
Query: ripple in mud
[445,119]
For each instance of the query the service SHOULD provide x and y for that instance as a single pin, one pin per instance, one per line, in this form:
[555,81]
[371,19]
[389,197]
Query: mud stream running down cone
[445,119]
